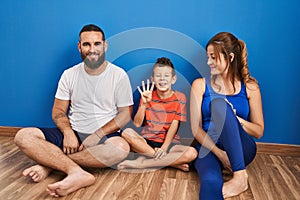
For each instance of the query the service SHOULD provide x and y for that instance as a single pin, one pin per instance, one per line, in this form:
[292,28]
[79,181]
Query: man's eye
[85,44]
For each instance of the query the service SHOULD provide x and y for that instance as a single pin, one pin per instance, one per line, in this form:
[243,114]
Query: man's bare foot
[132,164]
[71,183]
[184,167]
[237,185]
[37,172]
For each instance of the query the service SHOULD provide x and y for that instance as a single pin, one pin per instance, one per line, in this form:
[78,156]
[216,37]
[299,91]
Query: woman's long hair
[226,43]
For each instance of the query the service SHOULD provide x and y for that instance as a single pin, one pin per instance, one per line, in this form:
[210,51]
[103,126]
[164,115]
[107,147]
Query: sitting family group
[93,105]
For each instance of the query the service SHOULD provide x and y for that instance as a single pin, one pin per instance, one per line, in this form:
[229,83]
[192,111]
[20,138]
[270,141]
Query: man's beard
[93,64]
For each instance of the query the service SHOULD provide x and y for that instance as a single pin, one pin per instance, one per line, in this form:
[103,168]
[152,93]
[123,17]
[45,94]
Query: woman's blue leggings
[239,146]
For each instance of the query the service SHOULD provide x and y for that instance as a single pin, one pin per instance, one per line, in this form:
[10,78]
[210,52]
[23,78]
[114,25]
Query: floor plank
[271,177]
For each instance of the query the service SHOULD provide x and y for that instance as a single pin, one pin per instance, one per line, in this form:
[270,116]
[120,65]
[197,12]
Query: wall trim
[9,131]
[278,149]
[262,148]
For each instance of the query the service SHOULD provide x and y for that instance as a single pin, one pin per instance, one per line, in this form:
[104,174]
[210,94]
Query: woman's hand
[222,155]
[146,93]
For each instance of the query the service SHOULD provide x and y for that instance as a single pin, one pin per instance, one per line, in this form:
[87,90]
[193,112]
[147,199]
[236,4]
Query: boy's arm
[170,134]
[140,115]
[146,97]
[162,151]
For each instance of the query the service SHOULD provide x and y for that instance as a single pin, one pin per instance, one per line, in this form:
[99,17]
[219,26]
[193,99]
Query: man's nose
[92,48]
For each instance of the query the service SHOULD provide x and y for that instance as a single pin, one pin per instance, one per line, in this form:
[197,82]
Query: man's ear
[105,45]
[79,46]
[231,56]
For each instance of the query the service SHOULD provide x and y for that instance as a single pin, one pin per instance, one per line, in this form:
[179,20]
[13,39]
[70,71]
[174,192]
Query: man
[93,101]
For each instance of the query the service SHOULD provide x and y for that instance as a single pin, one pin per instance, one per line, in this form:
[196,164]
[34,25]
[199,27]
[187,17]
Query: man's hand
[146,93]
[90,141]
[70,143]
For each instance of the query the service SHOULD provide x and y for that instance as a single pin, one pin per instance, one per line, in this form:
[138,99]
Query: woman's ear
[231,56]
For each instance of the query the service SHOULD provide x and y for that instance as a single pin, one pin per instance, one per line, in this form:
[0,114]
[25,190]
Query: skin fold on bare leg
[112,151]
[51,156]
[71,183]
[37,172]
[177,159]
[237,185]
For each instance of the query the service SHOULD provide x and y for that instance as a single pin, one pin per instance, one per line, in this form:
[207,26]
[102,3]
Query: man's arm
[121,119]
[59,116]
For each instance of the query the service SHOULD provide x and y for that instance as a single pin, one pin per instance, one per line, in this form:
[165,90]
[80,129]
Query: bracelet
[100,136]
[242,124]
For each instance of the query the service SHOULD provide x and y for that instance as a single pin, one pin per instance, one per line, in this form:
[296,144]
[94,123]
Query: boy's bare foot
[237,185]
[71,183]
[184,167]
[132,164]
[37,172]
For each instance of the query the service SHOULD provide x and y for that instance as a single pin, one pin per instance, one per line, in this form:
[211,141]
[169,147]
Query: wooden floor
[271,177]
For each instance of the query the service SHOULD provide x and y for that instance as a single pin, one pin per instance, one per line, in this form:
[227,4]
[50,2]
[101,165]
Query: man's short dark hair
[92,27]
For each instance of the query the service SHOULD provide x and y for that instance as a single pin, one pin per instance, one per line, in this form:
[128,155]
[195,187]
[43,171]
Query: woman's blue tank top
[239,102]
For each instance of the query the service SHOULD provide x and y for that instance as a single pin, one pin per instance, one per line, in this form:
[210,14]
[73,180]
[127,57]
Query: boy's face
[163,78]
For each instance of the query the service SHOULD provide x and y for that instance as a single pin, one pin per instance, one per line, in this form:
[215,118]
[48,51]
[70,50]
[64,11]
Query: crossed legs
[179,155]
[48,156]
[239,146]
[240,149]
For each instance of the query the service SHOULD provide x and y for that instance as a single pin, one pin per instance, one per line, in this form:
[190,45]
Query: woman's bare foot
[237,185]
[71,183]
[184,167]
[132,164]
[37,172]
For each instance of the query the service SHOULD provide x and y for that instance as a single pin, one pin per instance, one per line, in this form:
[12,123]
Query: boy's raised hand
[146,93]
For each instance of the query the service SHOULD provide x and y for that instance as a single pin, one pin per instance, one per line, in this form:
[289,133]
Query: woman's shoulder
[252,87]
[199,81]
[199,84]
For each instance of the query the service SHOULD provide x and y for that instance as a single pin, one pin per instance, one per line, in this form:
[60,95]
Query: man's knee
[25,136]
[121,146]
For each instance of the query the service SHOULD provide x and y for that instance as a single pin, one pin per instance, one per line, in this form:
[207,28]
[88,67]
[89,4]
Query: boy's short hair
[163,61]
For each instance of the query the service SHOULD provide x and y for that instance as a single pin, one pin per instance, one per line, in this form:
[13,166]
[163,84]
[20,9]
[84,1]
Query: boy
[160,111]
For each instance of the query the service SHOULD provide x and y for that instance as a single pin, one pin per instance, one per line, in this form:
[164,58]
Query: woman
[226,112]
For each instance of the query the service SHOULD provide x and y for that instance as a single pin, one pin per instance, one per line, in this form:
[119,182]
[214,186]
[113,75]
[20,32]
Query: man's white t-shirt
[94,100]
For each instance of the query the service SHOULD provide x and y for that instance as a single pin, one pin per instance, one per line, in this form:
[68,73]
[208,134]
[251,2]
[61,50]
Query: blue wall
[38,41]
